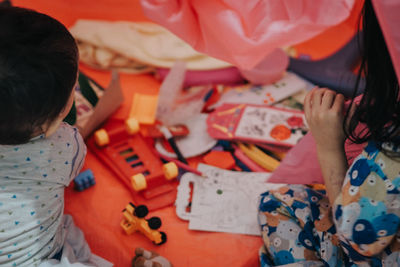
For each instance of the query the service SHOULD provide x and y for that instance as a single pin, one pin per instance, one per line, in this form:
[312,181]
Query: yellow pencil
[265,161]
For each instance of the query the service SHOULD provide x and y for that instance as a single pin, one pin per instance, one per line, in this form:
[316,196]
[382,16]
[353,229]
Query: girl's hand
[323,110]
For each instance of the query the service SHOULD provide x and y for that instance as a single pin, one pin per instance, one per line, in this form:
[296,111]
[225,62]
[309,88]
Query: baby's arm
[324,113]
[71,139]
[79,153]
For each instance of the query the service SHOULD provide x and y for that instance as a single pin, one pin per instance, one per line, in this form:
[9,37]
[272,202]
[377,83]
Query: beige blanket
[136,47]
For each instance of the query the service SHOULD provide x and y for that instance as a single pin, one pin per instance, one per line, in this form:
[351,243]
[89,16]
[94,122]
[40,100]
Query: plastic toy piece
[153,131]
[144,108]
[128,155]
[102,137]
[139,182]
[132,125]
[220,159]
[84,180]
[179,164]
[170,171]
[134,220]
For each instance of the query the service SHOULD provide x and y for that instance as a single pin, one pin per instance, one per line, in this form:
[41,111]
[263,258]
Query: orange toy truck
[130,156]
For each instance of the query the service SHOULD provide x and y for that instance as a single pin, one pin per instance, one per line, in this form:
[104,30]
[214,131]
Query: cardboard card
[109,102]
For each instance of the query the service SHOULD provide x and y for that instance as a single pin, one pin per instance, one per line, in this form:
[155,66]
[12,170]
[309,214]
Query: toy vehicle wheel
[139,182]
[154,223]
[170,170]
[132,125]
[163,238]
[141,211]
[101,138]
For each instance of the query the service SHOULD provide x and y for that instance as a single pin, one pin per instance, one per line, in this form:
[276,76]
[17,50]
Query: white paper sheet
[224,201]
[267,94]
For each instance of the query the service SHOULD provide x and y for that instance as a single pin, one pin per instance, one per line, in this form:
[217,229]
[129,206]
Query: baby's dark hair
[38,70]
[379,108]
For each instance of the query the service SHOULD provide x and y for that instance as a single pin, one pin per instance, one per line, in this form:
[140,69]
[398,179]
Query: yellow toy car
[134,221]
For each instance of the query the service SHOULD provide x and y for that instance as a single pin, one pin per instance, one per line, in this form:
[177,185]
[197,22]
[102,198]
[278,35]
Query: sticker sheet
[270,125]
[256,123]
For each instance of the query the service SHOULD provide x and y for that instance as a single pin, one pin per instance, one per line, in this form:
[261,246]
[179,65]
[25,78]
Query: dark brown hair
[379,108]
[38,70]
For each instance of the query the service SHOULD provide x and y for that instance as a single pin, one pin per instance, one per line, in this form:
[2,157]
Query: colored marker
[170,138]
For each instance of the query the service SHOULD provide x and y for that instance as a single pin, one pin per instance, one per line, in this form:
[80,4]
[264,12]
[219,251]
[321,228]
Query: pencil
[247,161]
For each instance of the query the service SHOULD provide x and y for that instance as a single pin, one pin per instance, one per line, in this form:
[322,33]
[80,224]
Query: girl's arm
[324,113]
[334,167]
[366,214]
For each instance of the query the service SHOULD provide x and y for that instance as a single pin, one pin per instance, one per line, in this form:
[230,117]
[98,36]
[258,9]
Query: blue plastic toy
[84,180]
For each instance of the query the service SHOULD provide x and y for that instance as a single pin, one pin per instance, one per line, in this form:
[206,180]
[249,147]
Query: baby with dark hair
[39,154]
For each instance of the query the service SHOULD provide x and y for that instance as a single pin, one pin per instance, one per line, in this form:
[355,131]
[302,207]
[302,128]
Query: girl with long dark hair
[355,220]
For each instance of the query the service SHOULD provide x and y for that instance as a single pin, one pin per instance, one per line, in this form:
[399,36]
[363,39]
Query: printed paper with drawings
[270,125]
[224,201]
[257,123]
[289,85]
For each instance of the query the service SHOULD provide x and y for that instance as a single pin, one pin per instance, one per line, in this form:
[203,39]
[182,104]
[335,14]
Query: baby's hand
[323,109]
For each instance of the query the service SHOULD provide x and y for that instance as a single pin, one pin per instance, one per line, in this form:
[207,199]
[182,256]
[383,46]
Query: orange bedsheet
[97,211]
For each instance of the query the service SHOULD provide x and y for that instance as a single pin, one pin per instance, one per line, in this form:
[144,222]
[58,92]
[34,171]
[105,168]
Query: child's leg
[76,251]
[297,226]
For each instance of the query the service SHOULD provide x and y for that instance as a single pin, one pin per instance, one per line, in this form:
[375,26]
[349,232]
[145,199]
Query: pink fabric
[269,70]
[245,32]
[388,13]
[300,165]
[228,76]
